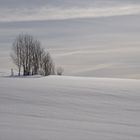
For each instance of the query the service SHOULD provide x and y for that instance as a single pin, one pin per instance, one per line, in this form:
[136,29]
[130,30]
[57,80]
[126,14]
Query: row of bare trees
[29,57]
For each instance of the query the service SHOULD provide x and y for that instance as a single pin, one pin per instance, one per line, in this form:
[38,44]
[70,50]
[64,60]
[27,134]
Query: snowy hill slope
[69,108]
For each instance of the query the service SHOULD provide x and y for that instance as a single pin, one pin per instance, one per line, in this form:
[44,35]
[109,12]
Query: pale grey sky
[19,10]
[68,27]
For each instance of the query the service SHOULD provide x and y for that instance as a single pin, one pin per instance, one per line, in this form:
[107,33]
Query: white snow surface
[69,108]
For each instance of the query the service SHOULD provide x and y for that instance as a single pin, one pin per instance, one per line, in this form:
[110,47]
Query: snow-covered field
[69,108]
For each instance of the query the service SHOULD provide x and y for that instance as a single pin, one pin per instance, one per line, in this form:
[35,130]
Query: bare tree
[12,72]
[28,55]
[36,57]
[16,55]
[59,70]
[48,65]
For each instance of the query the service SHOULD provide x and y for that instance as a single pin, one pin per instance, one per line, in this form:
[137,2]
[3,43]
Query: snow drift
[69,108]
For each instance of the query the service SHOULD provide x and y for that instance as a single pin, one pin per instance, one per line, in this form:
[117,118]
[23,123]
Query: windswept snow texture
[69,108]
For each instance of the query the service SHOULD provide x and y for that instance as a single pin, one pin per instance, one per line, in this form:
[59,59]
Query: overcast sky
[57,19]
[28,10]
[69,25]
